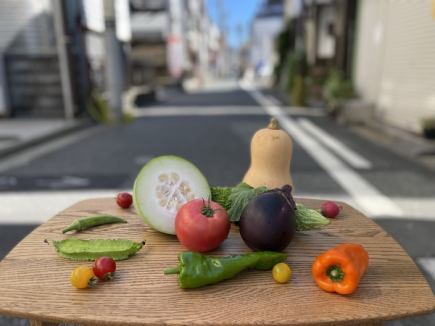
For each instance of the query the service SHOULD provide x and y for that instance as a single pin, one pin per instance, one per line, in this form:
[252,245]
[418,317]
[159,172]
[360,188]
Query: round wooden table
[34,280]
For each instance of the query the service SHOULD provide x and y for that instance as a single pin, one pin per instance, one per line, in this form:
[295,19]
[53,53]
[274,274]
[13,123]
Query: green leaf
[239,198]
[88,250]
[221,196]
[308,219]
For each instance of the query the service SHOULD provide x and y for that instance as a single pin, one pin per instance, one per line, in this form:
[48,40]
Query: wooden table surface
[34,280]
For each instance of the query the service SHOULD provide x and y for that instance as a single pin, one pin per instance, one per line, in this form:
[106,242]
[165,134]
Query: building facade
[52,54]
[394,66]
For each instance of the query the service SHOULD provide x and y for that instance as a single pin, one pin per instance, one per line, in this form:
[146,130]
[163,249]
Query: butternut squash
[271,154]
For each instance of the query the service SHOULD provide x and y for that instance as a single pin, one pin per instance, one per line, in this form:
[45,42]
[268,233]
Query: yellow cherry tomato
[82,277]
[281,273]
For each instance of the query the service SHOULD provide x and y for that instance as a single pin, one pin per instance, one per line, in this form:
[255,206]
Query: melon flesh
[162,186]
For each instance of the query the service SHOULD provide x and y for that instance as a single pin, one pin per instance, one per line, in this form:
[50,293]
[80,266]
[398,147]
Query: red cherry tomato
[104,267]
[201,225]
[124,199]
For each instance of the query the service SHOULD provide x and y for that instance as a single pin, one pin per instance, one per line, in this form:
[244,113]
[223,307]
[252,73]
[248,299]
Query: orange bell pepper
[340,268]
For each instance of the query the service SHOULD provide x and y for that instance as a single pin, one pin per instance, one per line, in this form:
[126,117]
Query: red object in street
[124,199]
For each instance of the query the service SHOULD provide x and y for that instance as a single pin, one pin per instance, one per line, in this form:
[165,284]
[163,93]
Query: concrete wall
[395,60]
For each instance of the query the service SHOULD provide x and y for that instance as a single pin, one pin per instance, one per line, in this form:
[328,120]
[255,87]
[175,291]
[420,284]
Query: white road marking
[212,111]
[428,264]
[34,152]
[36,207]
[63,182]
[197,111]
[347,154]
[371,200]
[31,207]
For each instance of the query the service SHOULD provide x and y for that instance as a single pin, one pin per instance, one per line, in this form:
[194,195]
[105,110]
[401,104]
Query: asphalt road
[213,130]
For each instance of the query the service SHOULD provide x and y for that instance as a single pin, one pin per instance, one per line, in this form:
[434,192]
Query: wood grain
[34,281]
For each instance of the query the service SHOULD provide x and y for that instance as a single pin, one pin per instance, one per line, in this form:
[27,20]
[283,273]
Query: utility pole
[62,54]
[114,71]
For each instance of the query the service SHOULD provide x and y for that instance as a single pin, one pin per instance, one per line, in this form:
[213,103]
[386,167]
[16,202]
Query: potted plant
[429,127]
[336,90]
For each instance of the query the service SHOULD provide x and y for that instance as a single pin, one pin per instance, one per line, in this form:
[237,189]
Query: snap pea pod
[89,222]
[88,250]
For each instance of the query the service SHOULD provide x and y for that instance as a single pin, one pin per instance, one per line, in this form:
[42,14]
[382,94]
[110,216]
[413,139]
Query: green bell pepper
[195,270]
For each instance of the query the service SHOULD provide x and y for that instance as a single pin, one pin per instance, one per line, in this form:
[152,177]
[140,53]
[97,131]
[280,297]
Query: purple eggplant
[268,222]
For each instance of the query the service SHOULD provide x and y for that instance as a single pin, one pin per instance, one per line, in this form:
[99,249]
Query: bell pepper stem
[174,270]
[335,273]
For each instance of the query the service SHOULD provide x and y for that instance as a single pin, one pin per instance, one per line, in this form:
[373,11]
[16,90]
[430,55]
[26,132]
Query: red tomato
[124,199]
[201,225]
[104,267]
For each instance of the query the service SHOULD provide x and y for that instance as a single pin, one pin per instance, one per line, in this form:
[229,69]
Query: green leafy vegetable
[240,197]
[221,195]
[77,249]
[308,219]
[235,199]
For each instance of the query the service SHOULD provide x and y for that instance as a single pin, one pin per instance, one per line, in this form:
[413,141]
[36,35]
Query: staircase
[34,85]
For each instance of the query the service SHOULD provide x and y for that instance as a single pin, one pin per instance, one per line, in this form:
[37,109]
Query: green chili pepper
[195,270]
[89,222]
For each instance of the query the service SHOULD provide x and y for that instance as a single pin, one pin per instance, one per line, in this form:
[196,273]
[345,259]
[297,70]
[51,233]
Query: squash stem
[273,124]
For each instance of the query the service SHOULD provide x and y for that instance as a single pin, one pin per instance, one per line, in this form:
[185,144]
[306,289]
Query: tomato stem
[108,276]
[206,209]
[92,282]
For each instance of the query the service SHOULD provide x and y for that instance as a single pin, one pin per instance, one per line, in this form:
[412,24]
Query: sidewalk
[18,134]
[401,142]
[404,143]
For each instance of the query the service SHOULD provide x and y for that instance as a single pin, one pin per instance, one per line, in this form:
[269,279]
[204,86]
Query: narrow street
[212,129]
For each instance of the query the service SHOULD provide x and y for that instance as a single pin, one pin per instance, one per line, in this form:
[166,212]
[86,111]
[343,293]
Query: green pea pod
[89,222]
[88,250]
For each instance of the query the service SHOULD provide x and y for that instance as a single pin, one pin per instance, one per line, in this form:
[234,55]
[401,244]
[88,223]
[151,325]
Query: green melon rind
[148,165]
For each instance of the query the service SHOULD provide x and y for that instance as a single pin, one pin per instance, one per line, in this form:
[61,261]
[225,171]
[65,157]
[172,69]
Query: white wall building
[268,22]
[395,60]
[30,42]
[25,27]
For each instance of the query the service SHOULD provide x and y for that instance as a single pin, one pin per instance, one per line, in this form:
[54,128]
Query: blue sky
[238,13]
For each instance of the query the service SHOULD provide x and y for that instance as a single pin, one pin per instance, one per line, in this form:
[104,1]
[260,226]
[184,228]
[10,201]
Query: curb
[21,146]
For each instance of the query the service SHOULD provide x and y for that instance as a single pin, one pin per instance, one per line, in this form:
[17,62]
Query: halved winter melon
[162,186]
